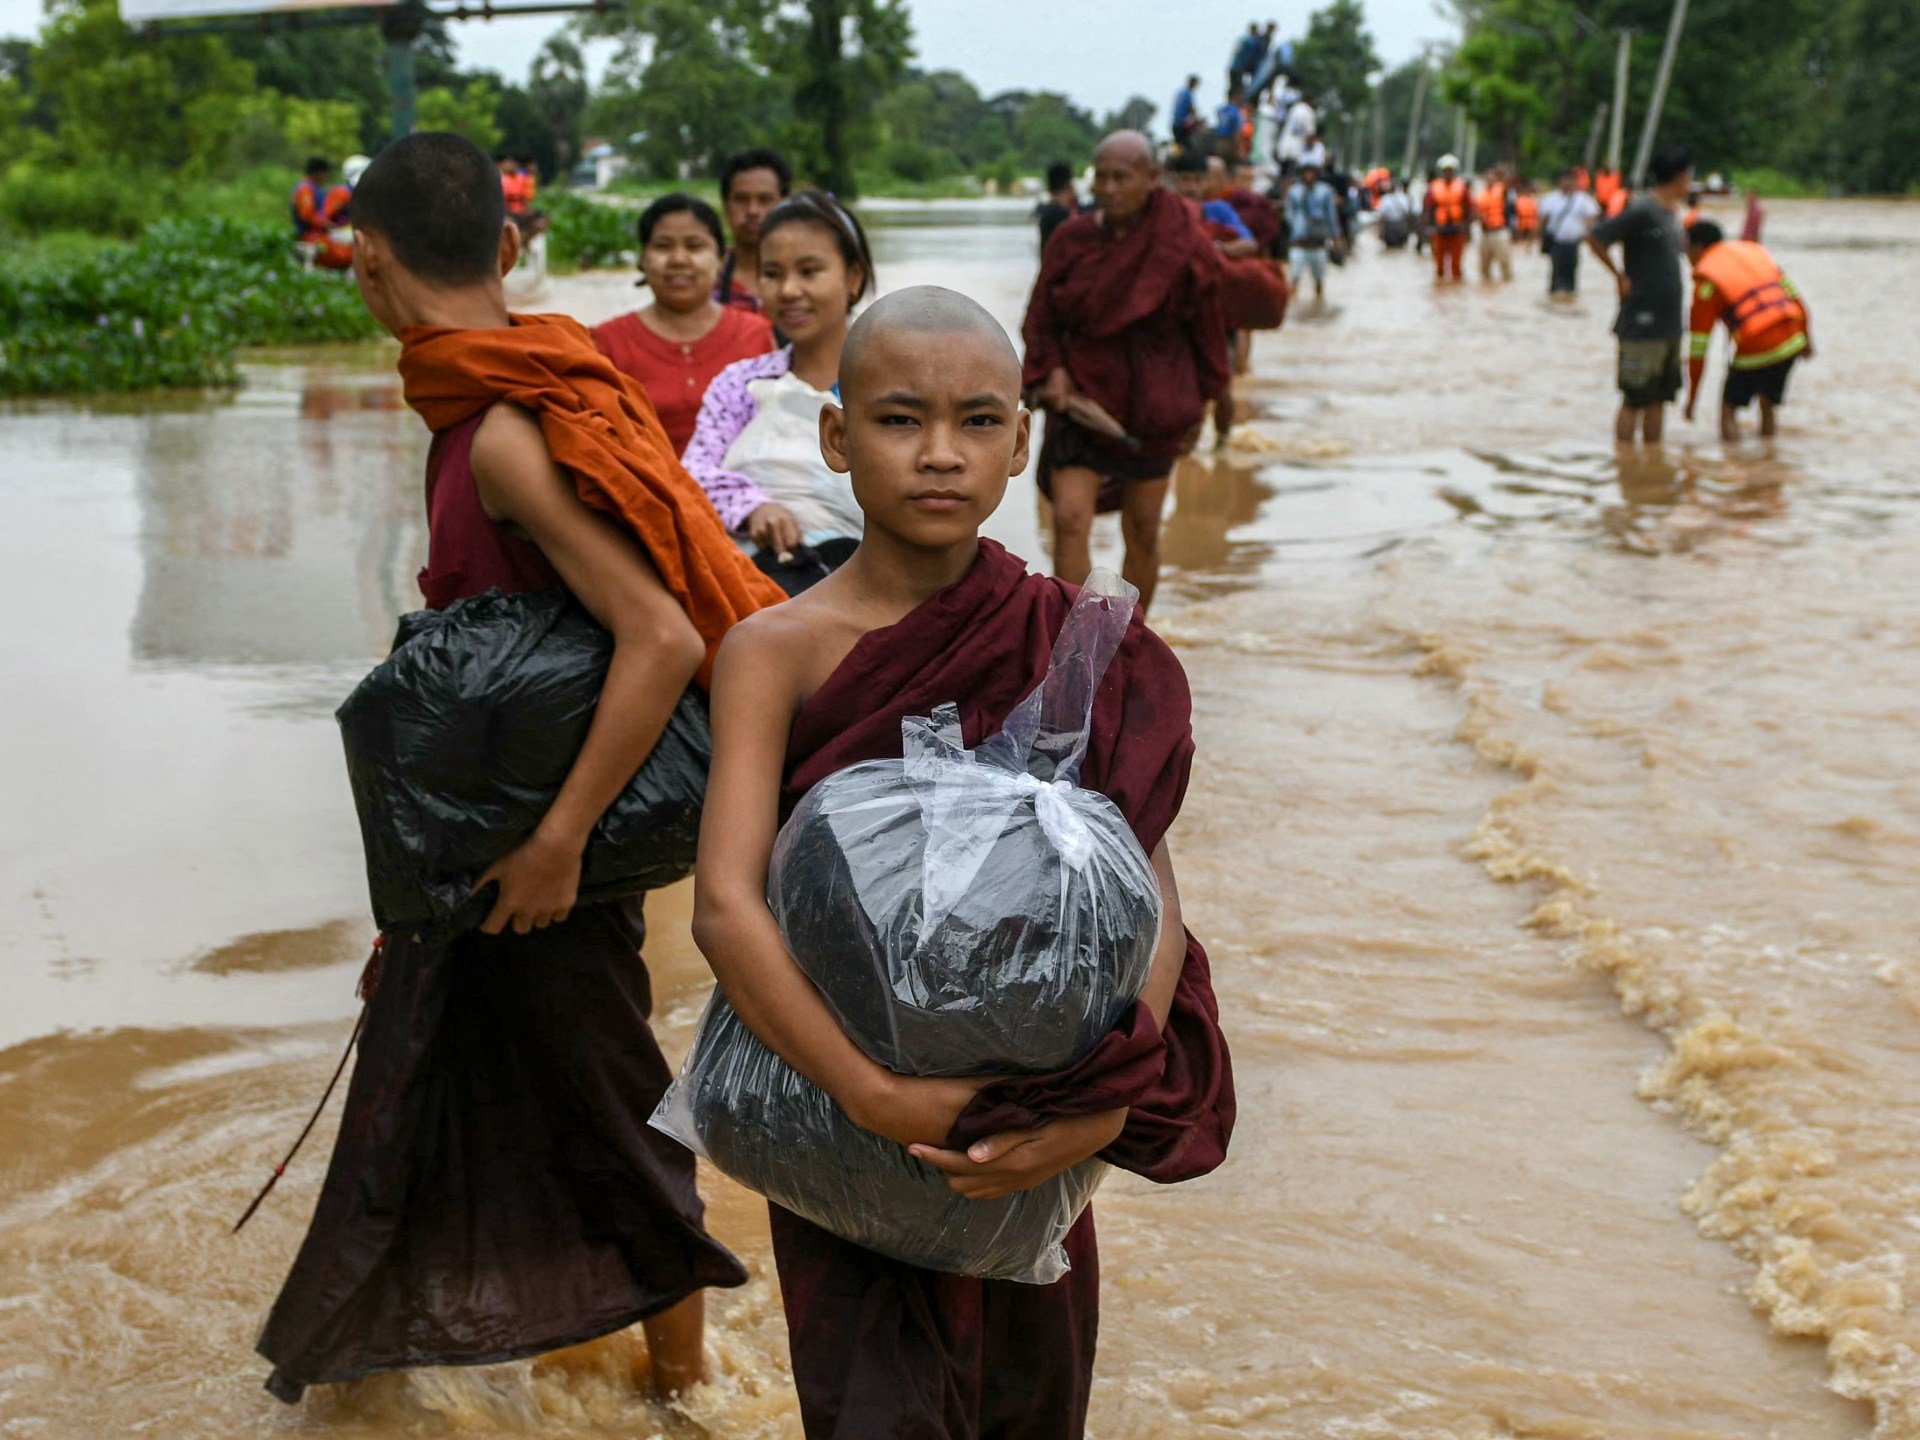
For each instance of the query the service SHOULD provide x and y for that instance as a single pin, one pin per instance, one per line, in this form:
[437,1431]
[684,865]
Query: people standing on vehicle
[678,344]
[1299,123]
[1739,282]
[1448,214]
[1652,294]
[1566,216]
[752,182]
[1188,123]
[1248,55]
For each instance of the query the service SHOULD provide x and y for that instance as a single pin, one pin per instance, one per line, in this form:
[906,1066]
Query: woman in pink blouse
[678,344]
[756,448]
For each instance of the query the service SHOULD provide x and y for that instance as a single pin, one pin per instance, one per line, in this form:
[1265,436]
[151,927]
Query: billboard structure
[401,23]
[144,12]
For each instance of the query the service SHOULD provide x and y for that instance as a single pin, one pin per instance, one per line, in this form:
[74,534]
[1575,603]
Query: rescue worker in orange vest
[1606,185]
[1494,206]
[1616,200]
[1526,214]
[1447,213]
[518,188]
[319,207]
[1737,281]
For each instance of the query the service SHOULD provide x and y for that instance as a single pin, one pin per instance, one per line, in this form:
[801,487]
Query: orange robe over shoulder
[600,426]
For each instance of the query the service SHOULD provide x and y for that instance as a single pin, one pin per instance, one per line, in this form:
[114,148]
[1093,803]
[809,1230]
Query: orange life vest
[1605,186]
[1617,201]
[1492,205]
[1449,200]
[1759,303]
[1526,210]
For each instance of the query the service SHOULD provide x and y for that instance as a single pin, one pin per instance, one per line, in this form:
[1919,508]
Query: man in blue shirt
[1186,112]
[1227,124]
[1313,223]
[1248,55]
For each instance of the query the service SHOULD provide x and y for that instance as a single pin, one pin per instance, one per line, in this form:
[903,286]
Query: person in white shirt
[1395,211]
[1296,133]
[1565,218]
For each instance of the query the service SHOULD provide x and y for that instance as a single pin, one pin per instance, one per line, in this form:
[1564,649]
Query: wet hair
[318,163]
[1192,80]
[1059,175]
[1704,233]
[1188,162]
[1669,162]
[816,207]
[436,198]
[760,158]
[681,203]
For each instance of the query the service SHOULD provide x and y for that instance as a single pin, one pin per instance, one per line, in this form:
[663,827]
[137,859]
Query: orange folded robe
[600,426]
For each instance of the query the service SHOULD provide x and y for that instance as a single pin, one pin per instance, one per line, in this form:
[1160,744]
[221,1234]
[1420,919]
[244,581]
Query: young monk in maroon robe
[1126,313]
[495,1190]
[930,429]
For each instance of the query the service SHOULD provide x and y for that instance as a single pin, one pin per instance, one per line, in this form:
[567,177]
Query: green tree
[558,86]
[849,53]
[472,111]
[1136,114]
[117,99]
[692,81]
[320,127]
[1335,59]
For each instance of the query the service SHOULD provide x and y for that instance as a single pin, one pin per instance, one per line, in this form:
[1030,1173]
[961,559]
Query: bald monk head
[929,427]
[1125,175]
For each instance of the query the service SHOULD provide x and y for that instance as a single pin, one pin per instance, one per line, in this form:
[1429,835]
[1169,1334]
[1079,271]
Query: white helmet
[353,167]
[1447,162]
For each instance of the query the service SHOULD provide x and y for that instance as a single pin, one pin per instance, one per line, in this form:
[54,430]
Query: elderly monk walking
[1126,346]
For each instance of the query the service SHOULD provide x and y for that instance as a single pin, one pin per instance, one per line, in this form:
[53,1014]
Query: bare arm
[755,694]
[656,652]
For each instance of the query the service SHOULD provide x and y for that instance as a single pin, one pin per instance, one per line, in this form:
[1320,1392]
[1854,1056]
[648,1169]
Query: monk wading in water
[495,1190]
[1125,315]
[929,429]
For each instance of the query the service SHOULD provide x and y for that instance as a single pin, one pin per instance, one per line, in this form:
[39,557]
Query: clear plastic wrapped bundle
[962,913]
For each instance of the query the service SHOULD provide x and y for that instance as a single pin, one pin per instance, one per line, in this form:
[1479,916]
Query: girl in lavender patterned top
[756,445]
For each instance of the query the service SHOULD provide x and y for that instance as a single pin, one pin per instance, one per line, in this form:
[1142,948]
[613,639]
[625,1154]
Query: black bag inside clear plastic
[459,740]
[962,913]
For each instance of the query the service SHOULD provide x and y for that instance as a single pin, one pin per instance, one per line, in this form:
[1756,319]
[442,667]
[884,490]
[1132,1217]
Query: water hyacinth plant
[170,309]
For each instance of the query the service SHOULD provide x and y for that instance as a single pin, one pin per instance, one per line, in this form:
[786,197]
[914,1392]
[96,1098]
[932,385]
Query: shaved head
[1125,147]
[924,310]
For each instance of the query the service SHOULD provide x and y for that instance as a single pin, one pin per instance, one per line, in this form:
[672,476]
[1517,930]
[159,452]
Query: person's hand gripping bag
[962,913]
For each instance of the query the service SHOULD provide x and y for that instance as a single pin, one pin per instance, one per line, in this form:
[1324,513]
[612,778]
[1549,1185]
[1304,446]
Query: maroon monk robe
[1136,322]
[883,1349]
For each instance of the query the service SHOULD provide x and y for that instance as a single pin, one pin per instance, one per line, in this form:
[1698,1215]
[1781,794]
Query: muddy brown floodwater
[1556,833]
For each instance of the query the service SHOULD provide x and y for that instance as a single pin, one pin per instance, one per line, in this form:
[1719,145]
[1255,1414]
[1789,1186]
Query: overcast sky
[1100,52]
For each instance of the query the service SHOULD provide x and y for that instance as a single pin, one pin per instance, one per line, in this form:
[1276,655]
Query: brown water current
[1555,835]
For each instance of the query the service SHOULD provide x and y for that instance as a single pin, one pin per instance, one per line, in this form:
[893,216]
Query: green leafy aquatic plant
[170,309]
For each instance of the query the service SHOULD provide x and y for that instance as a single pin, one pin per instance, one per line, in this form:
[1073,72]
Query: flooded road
[1555,835]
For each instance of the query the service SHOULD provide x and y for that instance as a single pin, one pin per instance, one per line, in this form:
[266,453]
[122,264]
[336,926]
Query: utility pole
[1660,81]
[1588,155]
[1379,151]
[1616,132]
[400,26]
[1413,120]
[1459,128]
[1473,148]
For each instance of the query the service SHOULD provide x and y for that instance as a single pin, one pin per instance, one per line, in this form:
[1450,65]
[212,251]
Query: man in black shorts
[1737,282]
[1652,321]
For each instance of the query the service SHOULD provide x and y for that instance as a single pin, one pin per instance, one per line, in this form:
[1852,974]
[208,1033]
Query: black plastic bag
[961,912]
[459,740]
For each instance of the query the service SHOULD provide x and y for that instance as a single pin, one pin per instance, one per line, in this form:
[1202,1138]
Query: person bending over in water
[929,429]
[1737,281]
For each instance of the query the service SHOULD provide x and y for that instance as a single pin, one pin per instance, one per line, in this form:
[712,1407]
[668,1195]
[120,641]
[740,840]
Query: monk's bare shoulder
[510,461]
[789,650]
